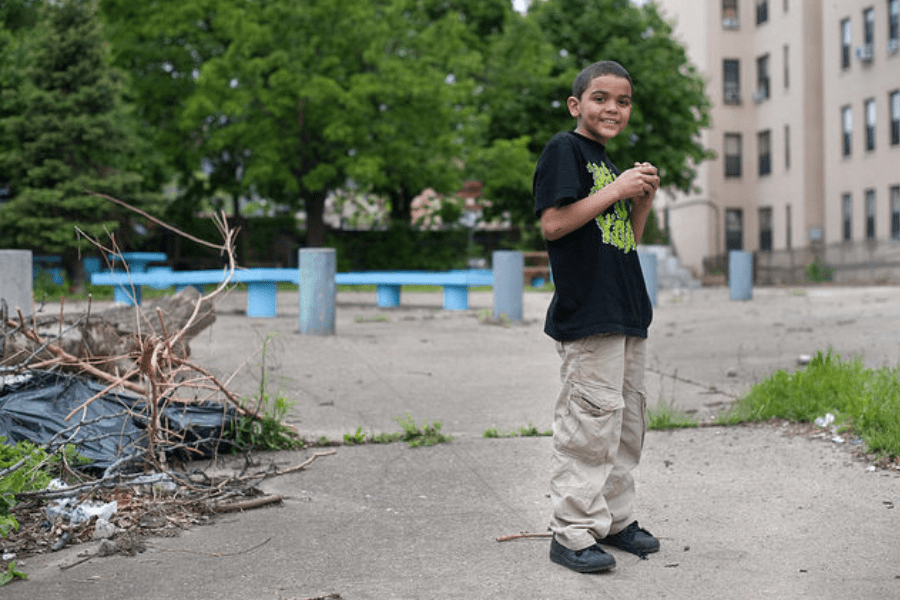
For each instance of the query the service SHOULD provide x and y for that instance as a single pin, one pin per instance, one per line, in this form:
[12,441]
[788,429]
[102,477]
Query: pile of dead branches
[142,352]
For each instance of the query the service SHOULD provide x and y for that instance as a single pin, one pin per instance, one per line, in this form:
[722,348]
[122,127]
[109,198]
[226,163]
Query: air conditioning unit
[760,96]
[865,53]
[893,46]
[732,96]
[730,23]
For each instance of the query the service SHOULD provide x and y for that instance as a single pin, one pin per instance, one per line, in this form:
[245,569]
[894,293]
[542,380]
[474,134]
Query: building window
[895,212]
[731,80]
[894,101]
[762,11]
[764,142]
[765,229]
[762,78]
[734,229]
[870,124]
[788,226]
[893,44]
[787,147]
[848,217]
[730,14]
[870,214]
[733,154]
[869,26]
[847,125]
[846,41]
[787,69]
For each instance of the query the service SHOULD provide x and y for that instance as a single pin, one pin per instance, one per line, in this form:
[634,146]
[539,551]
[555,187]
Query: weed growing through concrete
[863,400]
[373,319]
[524,431]
[666,416]
[263,428]
[428,434]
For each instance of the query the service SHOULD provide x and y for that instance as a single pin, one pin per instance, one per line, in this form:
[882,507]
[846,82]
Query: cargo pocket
[589,427]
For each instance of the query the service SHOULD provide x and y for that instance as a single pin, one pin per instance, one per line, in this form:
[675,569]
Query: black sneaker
[590,560]
[634,539]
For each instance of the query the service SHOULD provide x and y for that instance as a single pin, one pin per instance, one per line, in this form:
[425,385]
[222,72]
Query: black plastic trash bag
[34,407]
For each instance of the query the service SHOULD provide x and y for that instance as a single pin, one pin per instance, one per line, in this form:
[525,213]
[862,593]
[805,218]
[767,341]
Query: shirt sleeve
[555,179]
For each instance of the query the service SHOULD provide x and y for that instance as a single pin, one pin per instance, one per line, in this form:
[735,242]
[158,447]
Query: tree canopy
[289,100]
[65,134]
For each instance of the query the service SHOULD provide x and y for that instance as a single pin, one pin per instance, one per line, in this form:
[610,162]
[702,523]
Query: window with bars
[847,129]
[787,147]
[731,81]
[870,214]
[788,227]
[765,229]
[846,43]
[762,78]
[764,144]
[893,26]
[895,212]
[847,202]
[734,229]
[870,124]
[787,64]
[894,102]
[869,26]
[733,155]
[762,11]
[730,14]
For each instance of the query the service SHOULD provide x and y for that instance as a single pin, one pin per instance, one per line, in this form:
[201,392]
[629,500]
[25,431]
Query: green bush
[401,247]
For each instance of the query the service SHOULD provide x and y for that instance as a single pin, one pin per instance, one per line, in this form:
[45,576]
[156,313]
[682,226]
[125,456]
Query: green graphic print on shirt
[614,224]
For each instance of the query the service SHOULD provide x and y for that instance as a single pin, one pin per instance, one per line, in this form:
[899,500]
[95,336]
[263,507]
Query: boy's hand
[639,182]
[649,179]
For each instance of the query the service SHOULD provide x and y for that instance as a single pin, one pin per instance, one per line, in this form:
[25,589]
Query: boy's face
[604,108]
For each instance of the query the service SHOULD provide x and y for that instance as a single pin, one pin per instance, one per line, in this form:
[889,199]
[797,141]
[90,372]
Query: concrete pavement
[745,512]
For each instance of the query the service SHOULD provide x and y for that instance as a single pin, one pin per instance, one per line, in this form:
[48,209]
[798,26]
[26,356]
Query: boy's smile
[604,108]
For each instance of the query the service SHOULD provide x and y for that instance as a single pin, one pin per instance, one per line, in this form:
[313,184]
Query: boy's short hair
[598,69]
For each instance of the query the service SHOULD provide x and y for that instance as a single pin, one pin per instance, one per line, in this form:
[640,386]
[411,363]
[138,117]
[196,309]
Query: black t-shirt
[599,284]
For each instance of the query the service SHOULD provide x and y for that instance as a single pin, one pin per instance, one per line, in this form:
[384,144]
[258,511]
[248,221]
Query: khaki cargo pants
[598,434]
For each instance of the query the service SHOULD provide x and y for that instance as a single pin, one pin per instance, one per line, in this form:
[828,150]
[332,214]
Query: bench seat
[262,284]
[387,284]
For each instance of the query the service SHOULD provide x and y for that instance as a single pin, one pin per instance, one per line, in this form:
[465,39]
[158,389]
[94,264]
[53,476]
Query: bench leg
[388,295]
[456,297]
[262,299]
[130,295]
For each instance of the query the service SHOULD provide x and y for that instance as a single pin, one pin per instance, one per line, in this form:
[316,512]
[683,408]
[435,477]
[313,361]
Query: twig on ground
[519,536]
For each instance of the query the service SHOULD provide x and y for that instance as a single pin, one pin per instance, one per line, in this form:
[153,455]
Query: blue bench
[262,284]
[387,284]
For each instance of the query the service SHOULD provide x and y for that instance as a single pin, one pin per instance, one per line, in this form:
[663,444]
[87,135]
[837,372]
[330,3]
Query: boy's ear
[574,106]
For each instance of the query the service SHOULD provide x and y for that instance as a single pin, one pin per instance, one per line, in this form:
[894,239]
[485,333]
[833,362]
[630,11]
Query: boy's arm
[559,221]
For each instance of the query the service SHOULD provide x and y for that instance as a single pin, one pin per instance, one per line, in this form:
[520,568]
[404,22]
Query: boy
[592,218]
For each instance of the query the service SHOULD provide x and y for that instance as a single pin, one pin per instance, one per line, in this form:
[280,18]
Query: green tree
[66,135]
[291,99]
[534,64]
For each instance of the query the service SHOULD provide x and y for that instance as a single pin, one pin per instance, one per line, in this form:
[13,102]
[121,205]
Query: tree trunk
[315,221]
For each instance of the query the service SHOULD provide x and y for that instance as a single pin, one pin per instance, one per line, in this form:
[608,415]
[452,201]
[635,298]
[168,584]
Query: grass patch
[863,400]
[666,416]
[373,319]
[428,434]
[524,431]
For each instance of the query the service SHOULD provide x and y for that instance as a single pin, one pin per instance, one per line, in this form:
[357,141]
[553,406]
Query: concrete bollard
[651,275]
[317,290]
[16,281]
[509,283]
[740,275]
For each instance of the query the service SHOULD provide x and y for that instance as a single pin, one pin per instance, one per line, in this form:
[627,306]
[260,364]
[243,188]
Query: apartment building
[806,129]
